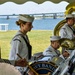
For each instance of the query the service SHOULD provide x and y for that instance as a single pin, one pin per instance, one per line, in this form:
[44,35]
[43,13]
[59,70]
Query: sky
[32,8]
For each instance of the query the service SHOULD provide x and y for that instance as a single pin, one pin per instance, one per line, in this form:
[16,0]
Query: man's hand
[21,62]
[66,54]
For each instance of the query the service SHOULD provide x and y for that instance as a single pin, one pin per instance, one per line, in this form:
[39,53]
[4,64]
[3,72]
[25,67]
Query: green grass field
[39,39]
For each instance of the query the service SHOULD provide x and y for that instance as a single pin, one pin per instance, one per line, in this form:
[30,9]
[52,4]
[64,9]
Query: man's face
[56,44]
[71,21]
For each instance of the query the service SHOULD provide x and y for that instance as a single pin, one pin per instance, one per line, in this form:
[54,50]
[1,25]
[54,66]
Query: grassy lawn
[39,39]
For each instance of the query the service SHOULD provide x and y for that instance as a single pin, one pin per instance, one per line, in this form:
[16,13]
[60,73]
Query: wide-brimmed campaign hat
[26,18]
